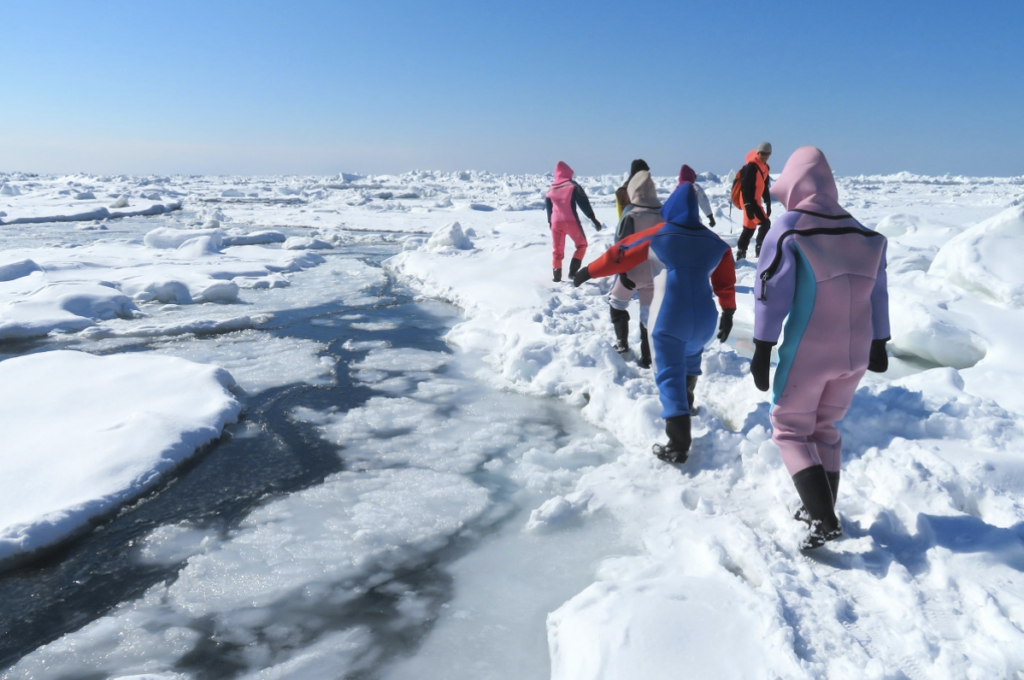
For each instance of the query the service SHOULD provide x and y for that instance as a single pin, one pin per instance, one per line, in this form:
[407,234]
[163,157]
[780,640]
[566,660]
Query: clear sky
[319,87]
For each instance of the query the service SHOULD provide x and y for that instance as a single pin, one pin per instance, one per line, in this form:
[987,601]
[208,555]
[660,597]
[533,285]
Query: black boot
[556,275]
[691,386]
[620,322]
[812,485]
[574,266]
[741,254]
[677,450]
[833,483]
[645,348]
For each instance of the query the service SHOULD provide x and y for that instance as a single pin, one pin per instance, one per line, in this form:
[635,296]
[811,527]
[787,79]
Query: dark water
[84,579]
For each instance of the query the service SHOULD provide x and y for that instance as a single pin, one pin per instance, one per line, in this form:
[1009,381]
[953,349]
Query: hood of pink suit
[686,174]
[807,183]
[563,173]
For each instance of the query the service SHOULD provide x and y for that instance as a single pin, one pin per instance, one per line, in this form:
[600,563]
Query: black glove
[878,360]
[711,220]
[725,324]
[629,283]
[582,276]
[597,225]
[760,363]
[766,223]
[748,208]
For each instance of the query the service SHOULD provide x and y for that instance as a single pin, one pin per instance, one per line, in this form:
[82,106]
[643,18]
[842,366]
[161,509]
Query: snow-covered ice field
[244,436]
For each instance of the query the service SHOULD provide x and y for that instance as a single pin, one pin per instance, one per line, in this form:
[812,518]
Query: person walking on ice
[688,261]
[622,193]
[643,211]
[823,274]
[561,202]
[687,174]
[753,188]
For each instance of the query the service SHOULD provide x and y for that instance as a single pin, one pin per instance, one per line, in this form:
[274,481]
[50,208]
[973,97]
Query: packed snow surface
[701,572]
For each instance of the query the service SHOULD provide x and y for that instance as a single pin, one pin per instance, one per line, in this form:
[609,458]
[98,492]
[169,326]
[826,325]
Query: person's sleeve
[723,281]
[625,228]
[621,200]
[547,207]
[880,301]
[624,255]
[766,198]
[580,196]
[779,291]
[702,200]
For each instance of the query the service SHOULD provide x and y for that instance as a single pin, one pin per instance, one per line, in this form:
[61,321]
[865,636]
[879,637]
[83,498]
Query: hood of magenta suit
[686,174]
[806,183]
[563,173]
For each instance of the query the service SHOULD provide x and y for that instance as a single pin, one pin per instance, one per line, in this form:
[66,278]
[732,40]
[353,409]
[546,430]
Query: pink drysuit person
[824,275]
[561,202]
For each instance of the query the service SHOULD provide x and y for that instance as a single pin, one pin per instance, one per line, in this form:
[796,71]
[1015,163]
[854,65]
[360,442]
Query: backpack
[736,195]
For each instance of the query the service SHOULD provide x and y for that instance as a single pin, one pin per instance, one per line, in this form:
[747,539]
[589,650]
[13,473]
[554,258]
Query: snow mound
[168,238]
[209,244]
[934,334]
[632,630]
[449,237]
[121,202]
[306,243]
[63,307]
[16,270]
[129,418]
[8,190]
[256,238]
[987,258]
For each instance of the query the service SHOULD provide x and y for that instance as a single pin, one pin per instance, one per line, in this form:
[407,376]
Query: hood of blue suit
[681,207]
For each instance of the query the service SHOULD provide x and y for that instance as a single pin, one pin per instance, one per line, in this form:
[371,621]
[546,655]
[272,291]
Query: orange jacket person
[754,186]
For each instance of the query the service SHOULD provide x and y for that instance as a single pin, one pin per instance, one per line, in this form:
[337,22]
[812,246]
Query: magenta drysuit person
[688,174]
[822,273]
[561,202]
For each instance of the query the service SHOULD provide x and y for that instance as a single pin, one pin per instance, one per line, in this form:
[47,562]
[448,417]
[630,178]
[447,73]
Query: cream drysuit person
[643,211]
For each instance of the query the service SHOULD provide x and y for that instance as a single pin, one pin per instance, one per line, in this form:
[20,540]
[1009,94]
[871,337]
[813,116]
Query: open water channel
[368,526]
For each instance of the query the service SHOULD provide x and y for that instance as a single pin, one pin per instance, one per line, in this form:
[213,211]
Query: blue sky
[319,87]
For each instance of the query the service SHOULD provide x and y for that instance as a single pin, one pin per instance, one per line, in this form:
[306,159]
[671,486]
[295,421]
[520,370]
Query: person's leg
[812,485]
[794,418]
[557,250]
[742,243]
[671,380]
[795,421]
[620,323]
[646,296]
[580,241]
[835,401]
[671,375]
[762,231]
[618,303]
